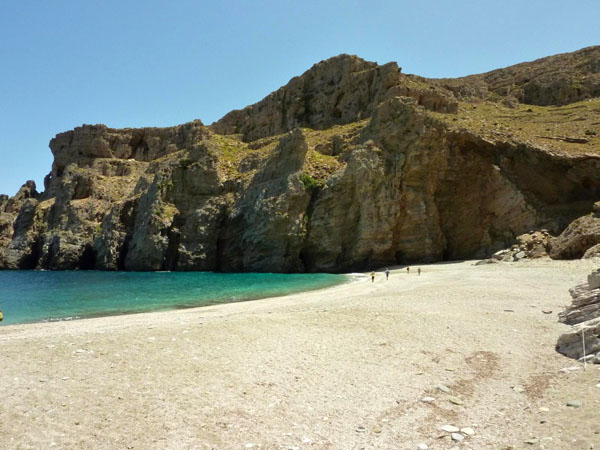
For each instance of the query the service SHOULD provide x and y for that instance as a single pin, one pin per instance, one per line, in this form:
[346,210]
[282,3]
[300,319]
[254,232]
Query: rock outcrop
[584,315]
[578,239]
[349,166]
[529,245]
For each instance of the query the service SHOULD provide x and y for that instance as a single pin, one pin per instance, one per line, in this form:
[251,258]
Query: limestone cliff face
[348,167]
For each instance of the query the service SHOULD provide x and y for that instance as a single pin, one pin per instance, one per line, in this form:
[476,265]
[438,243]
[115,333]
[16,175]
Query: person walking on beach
[372,277]
[407,270]
[419,271]
[387,273]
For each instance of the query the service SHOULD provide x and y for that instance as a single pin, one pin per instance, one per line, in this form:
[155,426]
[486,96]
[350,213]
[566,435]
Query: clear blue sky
[159,63]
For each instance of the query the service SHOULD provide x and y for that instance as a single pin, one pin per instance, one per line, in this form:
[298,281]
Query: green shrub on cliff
[310,184]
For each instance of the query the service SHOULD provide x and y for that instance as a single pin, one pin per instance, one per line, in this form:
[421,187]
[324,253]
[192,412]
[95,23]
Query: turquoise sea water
[34,296]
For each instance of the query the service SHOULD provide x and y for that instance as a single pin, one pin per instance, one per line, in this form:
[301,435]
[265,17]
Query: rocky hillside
[350,166]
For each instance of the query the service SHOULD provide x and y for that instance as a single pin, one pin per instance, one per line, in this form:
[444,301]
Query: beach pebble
[455,400]
[444,388]
[457,437]
[519,389]
[249,445]
[467,431]
[598,385]
[377,430]
[422,447]
[360,429]
[574,403]
[543,409]
[428,400]
[531,441]
[450,428]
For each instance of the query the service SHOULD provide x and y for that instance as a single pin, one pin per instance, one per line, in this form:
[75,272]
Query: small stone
[520,255]
[428,400]
[546,311]
[543,409]
[519,389]
[450,369]
[531,441]
[457,437]
[360,429]
[444,388]
[455,400]
[377,430]
[450,428]
[467,431]
[574,403]
[598,385]
[422,447]
[249,445]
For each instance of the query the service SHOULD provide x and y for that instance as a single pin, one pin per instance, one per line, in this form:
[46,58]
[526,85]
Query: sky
[161,63]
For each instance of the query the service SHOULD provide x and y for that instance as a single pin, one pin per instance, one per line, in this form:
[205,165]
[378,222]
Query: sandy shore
[342,368]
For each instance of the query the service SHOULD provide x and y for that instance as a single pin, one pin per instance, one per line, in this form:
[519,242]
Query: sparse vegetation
[310,184]
[539,125]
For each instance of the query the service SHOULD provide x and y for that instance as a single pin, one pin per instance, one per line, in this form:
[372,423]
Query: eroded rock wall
[254,192]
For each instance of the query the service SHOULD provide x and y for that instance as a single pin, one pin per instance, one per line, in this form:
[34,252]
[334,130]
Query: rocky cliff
[351,165]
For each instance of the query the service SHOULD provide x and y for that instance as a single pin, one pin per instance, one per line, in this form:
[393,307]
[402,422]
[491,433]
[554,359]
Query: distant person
[419,271]
[407,270]
[387,273]
[1,316]
[372,277]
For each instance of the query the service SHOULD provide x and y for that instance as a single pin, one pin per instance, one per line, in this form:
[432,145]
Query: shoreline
[343,367]
[211,309]
[349,278]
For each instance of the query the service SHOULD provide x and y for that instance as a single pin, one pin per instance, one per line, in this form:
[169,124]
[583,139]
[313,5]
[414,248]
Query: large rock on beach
[577,239]
[584,314]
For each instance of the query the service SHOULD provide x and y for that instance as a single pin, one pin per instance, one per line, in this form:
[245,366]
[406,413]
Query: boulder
[592,252]
[584,315]
[570,343]
[580,236]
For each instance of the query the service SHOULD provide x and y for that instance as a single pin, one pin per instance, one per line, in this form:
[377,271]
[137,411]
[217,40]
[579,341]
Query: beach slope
[341,368]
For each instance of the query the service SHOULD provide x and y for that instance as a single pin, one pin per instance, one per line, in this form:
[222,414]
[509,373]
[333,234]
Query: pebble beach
[459,357]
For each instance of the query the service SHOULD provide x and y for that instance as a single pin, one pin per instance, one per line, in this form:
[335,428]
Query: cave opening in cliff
[87,260]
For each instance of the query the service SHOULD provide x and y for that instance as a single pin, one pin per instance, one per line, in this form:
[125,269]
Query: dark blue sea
[37,296]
